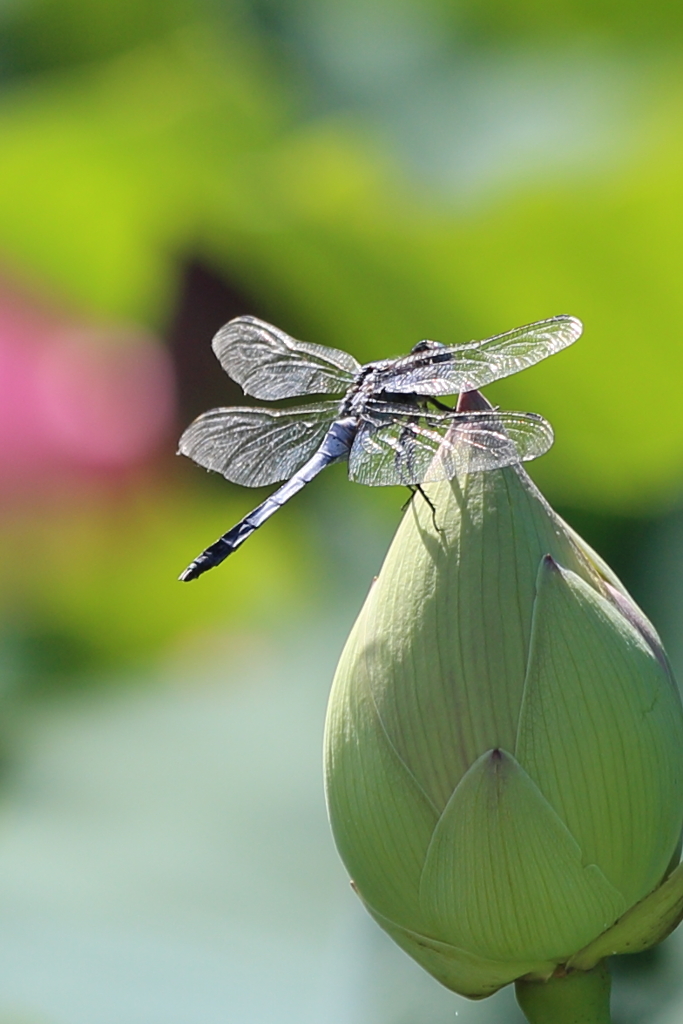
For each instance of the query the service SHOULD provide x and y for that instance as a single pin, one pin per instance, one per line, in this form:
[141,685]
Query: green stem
[580,997]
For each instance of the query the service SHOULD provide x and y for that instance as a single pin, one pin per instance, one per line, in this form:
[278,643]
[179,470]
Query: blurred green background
[364,174]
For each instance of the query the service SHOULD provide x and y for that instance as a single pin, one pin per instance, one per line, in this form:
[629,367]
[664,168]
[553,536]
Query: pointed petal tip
[550,564]
[472,401]
[495,761]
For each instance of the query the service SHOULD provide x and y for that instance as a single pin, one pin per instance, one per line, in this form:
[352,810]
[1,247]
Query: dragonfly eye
[427,346]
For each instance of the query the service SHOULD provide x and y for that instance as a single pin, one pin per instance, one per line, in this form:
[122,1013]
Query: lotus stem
[580,997]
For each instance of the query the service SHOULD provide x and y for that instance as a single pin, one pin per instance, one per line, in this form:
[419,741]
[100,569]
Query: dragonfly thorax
[368,388]
[364,386]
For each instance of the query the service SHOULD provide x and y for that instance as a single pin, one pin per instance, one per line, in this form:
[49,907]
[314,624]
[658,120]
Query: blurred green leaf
[39,35]
[104,174]
[491,20]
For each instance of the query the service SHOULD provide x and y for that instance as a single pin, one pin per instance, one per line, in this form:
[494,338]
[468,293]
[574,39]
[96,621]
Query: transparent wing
[458,368]
[255,447]
[425,447]
[268,364]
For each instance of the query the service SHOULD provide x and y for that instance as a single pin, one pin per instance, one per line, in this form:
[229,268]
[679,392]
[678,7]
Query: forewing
[460,368]
[429,447]
[268,364]
[255,447]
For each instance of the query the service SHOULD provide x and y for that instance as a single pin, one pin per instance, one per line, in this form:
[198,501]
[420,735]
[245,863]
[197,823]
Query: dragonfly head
[427,346]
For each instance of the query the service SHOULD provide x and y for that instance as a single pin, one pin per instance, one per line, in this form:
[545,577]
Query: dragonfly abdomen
[335,447]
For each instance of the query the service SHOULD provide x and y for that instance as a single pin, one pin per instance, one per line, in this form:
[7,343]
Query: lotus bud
[504,747]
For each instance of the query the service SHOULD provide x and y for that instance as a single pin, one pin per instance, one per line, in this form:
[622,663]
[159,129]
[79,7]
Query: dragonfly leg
[407,502]
[418,489]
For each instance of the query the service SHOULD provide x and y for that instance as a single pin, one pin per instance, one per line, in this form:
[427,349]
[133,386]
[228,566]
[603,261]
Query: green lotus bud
[504,746]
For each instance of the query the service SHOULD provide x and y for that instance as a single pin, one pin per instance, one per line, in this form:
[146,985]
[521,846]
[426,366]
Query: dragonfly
[386,421]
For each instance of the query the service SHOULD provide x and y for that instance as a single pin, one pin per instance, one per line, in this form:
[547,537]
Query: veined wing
[416,448]
[458,368]
[255,447]
[268,364]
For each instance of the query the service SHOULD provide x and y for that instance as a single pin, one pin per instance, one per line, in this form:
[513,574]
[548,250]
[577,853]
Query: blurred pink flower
[104,399]
[79,398]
